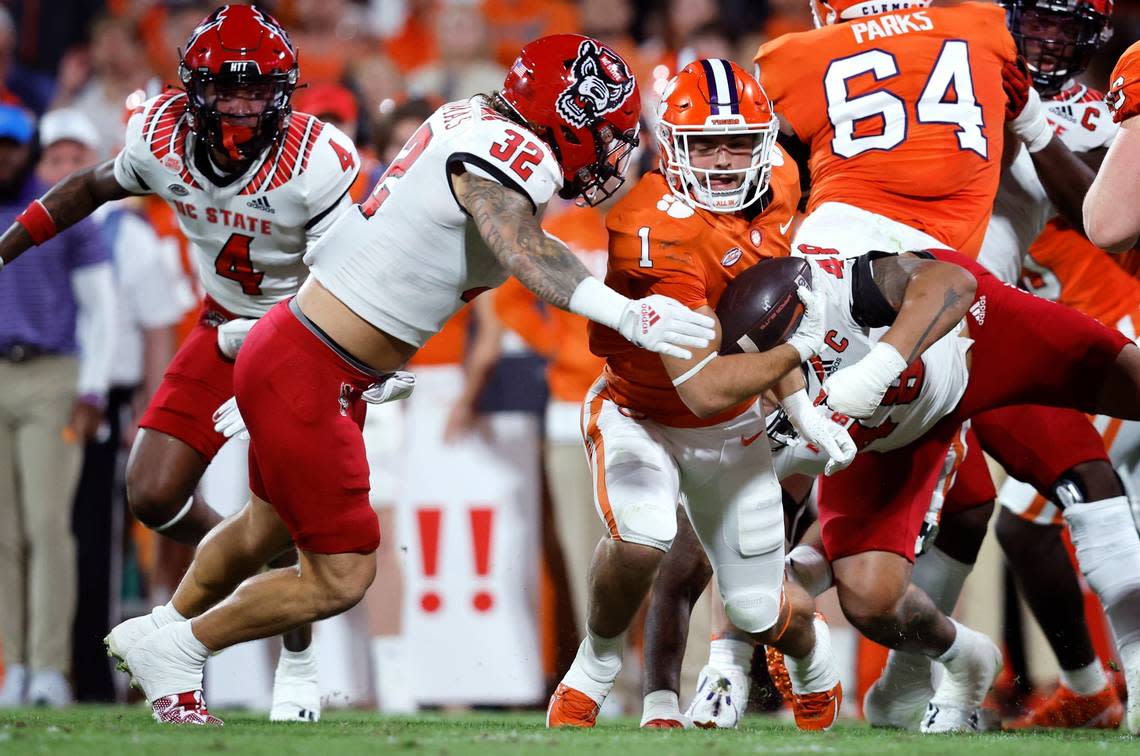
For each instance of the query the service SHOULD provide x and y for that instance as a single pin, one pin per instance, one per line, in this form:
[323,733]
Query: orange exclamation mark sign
[429,522]
[481,522]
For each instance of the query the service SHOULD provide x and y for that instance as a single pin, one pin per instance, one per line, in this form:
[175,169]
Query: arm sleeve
[94,290]
[131,162]
[334,168]
[498,150]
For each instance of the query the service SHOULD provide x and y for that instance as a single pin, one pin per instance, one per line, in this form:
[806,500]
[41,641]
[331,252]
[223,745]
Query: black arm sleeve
[869,307]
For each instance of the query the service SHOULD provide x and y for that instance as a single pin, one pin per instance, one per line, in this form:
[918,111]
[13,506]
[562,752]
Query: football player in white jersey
[457,212]
[1057,453]
[253,186]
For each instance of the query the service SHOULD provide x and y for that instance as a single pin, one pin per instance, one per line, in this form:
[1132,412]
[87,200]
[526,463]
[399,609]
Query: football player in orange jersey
[1112,220]
[902,107]
[659,431]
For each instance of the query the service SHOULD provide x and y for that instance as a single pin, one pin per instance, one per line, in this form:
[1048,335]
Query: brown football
[760,308]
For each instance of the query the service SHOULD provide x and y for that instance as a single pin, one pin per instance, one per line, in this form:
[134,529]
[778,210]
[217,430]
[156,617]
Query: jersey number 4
[411,152]
[234,263]
[948,97]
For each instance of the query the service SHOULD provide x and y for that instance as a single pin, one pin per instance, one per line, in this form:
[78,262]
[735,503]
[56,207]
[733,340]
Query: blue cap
[16,123]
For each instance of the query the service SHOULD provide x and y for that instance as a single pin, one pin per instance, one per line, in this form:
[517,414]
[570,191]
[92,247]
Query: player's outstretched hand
[808,338]
[228,421]
[662,324]
[856,391]
[815,427]
[231,335]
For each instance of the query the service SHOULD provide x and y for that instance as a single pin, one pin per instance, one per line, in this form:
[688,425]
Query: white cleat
[969,677]
[169,680]
[49,687]
[296,688]
[899,709]
[125,636]
[720,700]
[1131,658]
[15,684]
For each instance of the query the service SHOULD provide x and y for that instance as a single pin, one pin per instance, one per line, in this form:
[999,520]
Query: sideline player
[253,186]
[454,214]
[1112,222]
[1056,452]
[659,430]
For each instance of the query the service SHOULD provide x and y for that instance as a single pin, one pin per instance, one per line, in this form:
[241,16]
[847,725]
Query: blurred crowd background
[480,478]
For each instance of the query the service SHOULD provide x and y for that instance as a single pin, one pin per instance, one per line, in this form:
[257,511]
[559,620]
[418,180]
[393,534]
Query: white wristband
[796,405]
[883,363]
[598,302]
[1031,126]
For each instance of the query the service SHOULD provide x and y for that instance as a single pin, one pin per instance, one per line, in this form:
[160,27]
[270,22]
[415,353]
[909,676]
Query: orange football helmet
[714,97]
[827,12]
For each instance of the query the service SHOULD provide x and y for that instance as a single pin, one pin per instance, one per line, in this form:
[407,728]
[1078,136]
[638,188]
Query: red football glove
[1016,82]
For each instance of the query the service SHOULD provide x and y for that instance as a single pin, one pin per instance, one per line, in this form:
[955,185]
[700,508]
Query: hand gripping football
[760,308]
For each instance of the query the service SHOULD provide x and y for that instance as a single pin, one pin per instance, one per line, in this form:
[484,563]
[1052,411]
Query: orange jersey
[904,113]
[1066,267]
[1123,96]
[661,245]
[557,335]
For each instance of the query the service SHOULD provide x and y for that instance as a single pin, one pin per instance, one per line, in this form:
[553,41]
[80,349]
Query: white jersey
[1080,118]
[249,236]
[409,257]
[926,392]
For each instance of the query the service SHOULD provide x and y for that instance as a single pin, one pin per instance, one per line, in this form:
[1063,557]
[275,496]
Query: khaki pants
[39,471]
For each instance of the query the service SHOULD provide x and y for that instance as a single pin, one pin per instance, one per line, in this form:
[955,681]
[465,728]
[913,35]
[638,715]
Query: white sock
[165,614]
[297,659]
[730,655]
[596,665]
[188,644]
[1086,681]
[660,704]
[1108,551]
[961,641]
[942,578]
[810,568]
[816,672]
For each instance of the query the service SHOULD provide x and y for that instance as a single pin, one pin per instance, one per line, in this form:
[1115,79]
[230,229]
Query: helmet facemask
[1056,39]
[595,183]
[720,190]
[218,113]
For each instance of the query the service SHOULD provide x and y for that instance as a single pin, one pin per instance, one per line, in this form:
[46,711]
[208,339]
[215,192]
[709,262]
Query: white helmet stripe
[722,94]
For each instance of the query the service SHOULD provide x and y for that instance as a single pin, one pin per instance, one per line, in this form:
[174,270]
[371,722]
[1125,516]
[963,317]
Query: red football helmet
[1058,38]
[240,57]
[716,98]
[582,99]
[827,12]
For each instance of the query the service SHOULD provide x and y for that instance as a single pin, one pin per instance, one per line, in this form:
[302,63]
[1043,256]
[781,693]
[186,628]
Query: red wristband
[37,221]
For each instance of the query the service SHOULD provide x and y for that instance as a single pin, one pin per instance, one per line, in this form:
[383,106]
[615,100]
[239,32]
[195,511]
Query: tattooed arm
[929,296]
[68,202]
[508,223]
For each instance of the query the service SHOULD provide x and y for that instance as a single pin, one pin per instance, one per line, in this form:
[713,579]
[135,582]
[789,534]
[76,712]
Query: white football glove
[392,388]
[816,428]
[232,333]
[228,420]
[1031,126]
[662,324]
[720,700]
[808,338]
[856,391]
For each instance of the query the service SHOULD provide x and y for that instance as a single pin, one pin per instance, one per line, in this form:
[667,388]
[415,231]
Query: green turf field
[118,730]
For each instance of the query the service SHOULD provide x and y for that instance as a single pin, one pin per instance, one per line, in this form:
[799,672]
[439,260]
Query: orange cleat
[779,673]
[663,724]
[813,711]
[571,708]
[1066,709]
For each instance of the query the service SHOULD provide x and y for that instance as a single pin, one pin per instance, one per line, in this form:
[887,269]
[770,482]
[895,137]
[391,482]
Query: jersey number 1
[234,263]
[947,97]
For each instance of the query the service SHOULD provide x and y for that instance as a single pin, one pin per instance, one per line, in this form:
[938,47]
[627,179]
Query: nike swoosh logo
[748,440]
[785,226]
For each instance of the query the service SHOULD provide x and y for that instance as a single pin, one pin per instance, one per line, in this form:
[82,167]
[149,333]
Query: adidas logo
[649,318]
[262,204]
[978,310]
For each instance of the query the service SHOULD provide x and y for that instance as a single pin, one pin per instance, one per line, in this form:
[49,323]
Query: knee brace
[1072,488]
[1108,551]
[750,610]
